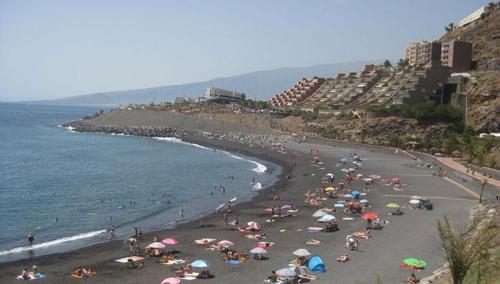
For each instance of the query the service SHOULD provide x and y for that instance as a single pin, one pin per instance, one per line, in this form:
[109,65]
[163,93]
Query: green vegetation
[424,112]
[466,252]
[450,27]
[387,63]
[254,104]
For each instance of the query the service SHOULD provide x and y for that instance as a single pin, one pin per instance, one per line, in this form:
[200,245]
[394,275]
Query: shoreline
[298,175]
[233,148]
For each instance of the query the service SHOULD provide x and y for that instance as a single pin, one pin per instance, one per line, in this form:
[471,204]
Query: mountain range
[261,85]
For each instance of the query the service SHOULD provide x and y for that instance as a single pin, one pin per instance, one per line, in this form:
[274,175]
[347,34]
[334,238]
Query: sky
[51,49]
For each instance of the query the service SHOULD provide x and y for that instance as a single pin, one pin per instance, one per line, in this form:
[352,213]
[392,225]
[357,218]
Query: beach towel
[32,277]
[233,261]
[348,218]
[125,259]
[314,242]
[173,262]
[314,229]
[188,278]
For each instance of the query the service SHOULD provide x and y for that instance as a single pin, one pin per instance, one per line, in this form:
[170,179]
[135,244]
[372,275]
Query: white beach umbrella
[414,201]
[286,272]
[319,213]
[258,250]
[302,252]
[327,218]
[156,245]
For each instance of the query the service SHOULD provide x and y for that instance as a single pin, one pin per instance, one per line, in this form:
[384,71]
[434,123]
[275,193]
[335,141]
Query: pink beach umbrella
[254,225]
[225,243]
[170,241]
[171,280]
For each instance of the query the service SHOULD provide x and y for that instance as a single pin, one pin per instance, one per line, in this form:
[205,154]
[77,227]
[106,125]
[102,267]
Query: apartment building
[423,52]
[457,55]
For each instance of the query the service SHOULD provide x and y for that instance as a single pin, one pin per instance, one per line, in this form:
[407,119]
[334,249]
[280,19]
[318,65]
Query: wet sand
[410,235]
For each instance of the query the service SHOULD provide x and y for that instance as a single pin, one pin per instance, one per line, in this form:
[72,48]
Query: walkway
[449,162]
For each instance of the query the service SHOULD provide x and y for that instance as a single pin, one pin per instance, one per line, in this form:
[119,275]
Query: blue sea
[67,188]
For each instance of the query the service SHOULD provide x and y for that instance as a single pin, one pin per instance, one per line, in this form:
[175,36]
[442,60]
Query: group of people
[26,275]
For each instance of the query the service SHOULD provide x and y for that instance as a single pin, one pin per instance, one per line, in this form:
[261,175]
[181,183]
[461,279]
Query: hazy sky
[51,49]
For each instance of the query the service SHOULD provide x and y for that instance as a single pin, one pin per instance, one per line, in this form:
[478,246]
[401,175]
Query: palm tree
[387,64]
[484,183]
[449,27]
[462,250]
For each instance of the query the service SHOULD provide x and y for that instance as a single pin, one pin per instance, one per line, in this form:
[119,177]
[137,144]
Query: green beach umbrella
[363,201]
[415,263]
[392,205]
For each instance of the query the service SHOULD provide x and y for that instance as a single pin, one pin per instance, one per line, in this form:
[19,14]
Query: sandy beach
[410,235]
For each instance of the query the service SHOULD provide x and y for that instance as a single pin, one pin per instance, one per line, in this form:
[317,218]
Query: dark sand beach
[410,235]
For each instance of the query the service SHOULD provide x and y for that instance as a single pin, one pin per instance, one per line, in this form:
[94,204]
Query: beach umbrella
[414,263]
[225,243]
[329,174]
[327,218]
[156,245]
[351,169]
[348,196]
[286,272]
[286,206]
[368,180]
[364,201]
[302,252]
[200,263]
[339,205]
[414,201]
[343,160]
[416,197]
[170,241]
[359,175]
[369,216]
[344,170]
[316,264]
[374,176]
[254,225]
[258,250]
[171,280]
[330,188]
[393,205]
[362,194]
[319,213]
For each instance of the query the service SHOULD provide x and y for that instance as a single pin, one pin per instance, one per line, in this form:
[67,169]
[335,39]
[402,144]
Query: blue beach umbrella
[200,263]
[339,205]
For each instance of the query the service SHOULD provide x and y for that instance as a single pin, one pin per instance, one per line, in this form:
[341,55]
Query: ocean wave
[177,140]
[260,167]
[257,186]
[52,243]
[70,128]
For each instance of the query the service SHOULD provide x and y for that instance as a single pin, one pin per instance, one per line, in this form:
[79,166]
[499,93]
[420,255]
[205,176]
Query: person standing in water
[31,238]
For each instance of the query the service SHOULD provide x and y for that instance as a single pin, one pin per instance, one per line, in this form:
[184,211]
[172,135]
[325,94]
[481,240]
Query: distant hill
[260,84]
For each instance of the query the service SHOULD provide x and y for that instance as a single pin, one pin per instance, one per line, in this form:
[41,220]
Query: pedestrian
[368,223]
[31,238]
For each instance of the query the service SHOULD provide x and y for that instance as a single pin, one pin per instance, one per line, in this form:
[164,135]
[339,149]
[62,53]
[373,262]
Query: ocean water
[67,188]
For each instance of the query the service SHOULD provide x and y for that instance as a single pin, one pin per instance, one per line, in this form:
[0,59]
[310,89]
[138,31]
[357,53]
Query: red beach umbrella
[369,216]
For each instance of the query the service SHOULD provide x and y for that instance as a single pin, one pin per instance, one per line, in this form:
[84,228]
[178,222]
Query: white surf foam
[52,243]
[257,186]
[70,128]
[177,140]
[260,168]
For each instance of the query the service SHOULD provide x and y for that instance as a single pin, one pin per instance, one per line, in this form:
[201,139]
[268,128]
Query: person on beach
[34,270]
[31,238]
[412,279]
[181,213]
[112,234]
[24,274]
[368,223]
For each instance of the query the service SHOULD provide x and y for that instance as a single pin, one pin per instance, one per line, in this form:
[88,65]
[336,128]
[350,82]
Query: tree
[484,183]
[449,27]
[387,64]
[463,249]
[402,63]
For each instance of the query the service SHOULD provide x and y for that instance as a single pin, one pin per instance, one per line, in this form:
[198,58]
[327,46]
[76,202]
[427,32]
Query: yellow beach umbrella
[330,188]
[392,205]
